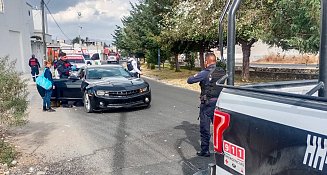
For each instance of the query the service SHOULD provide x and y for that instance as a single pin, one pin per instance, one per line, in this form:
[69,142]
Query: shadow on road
[122,110]
[119,148]
[195,163]
[191,132]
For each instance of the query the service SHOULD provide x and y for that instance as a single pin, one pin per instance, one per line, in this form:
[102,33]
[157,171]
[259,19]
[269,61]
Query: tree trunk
[246,50]
[177,64]
[202,58]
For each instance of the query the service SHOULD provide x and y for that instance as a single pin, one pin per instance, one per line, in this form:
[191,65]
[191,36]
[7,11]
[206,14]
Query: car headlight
[144,89]
[101,93]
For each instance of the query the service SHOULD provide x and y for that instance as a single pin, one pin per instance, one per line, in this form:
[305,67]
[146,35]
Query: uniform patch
[234,157]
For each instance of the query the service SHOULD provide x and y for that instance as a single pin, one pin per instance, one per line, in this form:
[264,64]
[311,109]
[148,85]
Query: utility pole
[159,62]
[323,53]
[43,32]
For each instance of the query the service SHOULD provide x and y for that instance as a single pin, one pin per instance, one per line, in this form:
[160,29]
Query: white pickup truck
[271,129]
[262,130]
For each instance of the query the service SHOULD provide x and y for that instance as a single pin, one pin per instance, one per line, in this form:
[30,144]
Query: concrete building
[15,31]
[21,32]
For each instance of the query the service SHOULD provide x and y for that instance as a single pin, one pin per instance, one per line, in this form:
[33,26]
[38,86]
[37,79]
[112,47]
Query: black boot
[44,108]
[51,110]
[203,154]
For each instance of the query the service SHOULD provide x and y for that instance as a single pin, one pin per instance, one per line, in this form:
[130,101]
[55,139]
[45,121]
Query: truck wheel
[88,104]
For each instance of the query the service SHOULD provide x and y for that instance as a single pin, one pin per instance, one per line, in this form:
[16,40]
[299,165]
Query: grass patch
[7,153]
[179,78]
[171,77]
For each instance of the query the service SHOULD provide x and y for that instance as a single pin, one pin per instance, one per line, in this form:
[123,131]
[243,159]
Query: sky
[98,17]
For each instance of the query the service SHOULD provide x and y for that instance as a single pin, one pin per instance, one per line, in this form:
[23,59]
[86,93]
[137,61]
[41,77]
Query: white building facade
[16,29]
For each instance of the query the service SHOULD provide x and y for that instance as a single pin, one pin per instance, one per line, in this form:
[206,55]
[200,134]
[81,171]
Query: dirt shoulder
[172,78]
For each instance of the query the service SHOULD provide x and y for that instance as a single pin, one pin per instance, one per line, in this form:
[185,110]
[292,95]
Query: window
[1,6]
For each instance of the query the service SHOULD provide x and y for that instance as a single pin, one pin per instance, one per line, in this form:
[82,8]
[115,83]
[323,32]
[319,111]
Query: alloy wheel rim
[87,102]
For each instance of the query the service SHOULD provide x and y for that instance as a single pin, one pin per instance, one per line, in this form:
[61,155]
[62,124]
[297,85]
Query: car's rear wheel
[88,103]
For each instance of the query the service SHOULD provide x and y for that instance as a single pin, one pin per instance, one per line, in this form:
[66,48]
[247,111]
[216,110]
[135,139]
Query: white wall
[15,33]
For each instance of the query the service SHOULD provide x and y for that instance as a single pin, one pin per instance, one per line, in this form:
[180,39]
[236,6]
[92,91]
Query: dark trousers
[206,118]
[47,98]
[136,75]
[34,72]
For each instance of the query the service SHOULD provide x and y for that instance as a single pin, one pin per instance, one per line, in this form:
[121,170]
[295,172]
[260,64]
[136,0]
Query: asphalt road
[159,140]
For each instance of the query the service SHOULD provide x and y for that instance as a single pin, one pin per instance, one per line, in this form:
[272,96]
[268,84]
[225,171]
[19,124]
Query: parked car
[113,58]
[76,61]
[95,59]
[103,87]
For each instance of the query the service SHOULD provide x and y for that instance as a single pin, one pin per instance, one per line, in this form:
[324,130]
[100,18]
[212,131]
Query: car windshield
[112,54]
[87,57]
[104,72]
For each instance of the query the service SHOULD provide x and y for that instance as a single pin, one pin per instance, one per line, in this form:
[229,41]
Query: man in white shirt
[133,67]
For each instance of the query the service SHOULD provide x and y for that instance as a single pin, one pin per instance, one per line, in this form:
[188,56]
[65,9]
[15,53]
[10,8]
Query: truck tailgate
[279,134]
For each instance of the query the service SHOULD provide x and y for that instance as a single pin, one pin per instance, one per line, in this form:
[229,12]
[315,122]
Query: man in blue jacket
[209,95]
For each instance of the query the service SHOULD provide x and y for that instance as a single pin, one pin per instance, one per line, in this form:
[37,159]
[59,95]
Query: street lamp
[79,14]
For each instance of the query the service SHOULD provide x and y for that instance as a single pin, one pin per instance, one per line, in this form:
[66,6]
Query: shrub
[190,60]
[153,66]
[7,153]
[13,94]
[221,64]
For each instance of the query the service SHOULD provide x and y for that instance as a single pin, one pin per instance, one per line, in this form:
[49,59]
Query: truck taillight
[220,124]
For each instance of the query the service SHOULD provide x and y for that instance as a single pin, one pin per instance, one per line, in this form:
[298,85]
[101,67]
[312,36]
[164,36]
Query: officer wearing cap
[209,95]
[35,66]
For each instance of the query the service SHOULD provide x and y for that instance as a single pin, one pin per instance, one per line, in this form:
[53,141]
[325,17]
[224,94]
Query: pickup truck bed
[271,132]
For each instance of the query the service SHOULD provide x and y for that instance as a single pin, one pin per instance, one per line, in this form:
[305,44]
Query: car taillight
[220,124]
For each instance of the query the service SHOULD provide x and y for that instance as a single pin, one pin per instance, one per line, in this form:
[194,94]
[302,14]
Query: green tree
[76,40]
[141,29]
[294,24]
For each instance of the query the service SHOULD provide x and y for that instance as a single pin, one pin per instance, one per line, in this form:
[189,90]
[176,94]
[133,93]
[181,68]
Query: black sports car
[103,87]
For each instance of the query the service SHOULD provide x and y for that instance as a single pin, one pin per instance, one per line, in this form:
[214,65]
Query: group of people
[61,65]
[207,79]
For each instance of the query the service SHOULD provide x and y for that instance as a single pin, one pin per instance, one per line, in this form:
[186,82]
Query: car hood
[117,83]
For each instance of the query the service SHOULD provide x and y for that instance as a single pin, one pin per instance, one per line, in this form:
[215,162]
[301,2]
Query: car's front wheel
[88,103]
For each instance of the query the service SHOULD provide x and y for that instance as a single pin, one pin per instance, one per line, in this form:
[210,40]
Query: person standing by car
[209,95]
[133,68]
[63,66]
[35,66]
[48,93]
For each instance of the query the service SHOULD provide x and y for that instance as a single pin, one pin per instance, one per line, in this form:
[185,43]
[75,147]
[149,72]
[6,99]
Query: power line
[56,22]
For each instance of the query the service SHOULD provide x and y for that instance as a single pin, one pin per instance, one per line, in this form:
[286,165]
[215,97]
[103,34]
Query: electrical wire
[56,22]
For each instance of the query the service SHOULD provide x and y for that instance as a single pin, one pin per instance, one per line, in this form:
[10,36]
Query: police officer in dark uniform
[35,66]
[209,95]
[63,66]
